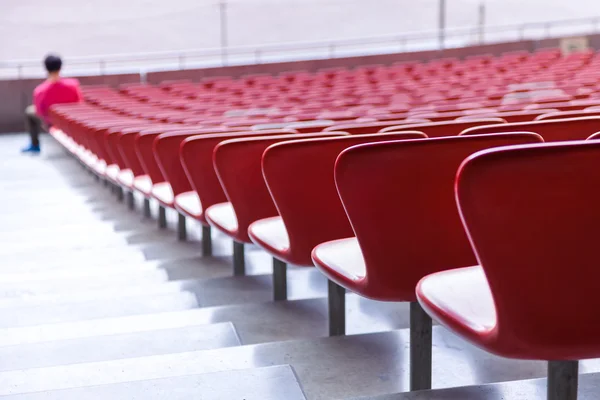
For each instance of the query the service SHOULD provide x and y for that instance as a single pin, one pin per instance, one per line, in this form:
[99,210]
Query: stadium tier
[428,231]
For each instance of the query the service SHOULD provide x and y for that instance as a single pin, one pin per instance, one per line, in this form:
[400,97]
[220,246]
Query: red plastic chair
[237,163]
[310,126]
[153,185]
[177,188]
[363,128]
[446,128]
[306,198]
[595,136]
[510,116]
[538,300]
[567,114]
[119,173]
[399,198]
[196,155]
[553,130]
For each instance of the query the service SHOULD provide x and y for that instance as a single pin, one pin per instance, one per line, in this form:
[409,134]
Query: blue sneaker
[31,149]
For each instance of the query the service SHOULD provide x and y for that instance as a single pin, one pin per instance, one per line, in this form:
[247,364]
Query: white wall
[31,28]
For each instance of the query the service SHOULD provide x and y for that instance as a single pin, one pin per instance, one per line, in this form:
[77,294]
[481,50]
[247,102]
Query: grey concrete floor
[97,302]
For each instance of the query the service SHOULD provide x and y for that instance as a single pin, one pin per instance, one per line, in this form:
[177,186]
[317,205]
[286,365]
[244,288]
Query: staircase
[96,302]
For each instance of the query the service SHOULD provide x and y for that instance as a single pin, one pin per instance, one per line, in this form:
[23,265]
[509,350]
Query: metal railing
[225,56]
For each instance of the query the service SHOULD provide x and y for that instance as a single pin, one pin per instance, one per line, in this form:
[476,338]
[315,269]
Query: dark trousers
[34,125]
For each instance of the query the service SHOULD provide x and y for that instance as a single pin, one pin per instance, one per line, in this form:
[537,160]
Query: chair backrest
[363,128]
[144,148]
[299,176]
[196,155]
[167,153]
[531,215]
[238,166]
[511,116]
[310,126]
[551,130]
[595,136]
[445,128]
[399,198]
[566,114]
[112,139]
[127,148]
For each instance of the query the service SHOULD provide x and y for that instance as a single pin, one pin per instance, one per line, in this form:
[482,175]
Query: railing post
[331,50]
[102,67]
[481,38]
[522,32]
[181,61]
[257,56]
[224,32]
[442,24]
[547,30]
[20,71]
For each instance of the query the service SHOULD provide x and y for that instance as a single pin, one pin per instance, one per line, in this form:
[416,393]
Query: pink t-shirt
[58,92]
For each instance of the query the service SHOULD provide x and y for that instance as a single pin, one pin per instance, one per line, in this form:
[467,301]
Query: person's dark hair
[53,63]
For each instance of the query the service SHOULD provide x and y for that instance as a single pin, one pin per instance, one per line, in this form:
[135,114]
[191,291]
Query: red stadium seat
[446,128]
[518,313]
[362,128]
[551,130]
[307,217]
[248,199]
[409,229]
[567,114]
[196,154]
[177,185]
[511,116]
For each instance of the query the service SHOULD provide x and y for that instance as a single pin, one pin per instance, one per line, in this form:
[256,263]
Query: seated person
[54,90]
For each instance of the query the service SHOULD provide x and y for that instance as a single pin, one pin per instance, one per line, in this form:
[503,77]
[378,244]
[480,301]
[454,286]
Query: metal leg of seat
[563,379]
[131,200]
[420,348]
[147,212]
[206,241]
[336,296]
[181,228]
[120,193]
[162,217]
[239,259]
[279,280]
[105,182]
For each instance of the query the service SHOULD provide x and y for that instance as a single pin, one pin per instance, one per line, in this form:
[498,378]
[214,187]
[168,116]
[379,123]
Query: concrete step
[255,322]
[527,389]
[113,347]
[30,316]
[64,258]
[93,254]
[70,280]
[81,242]
[329,368]
[268,383]
[302,284]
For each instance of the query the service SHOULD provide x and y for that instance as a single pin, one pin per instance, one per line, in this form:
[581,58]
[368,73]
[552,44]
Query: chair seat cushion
[86,157]
[143,183]
[223,217]
[343,257]
[189,204]
[125,178]
[271,234]
[460,299]
[163,193]
[99,166]
[112,172]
